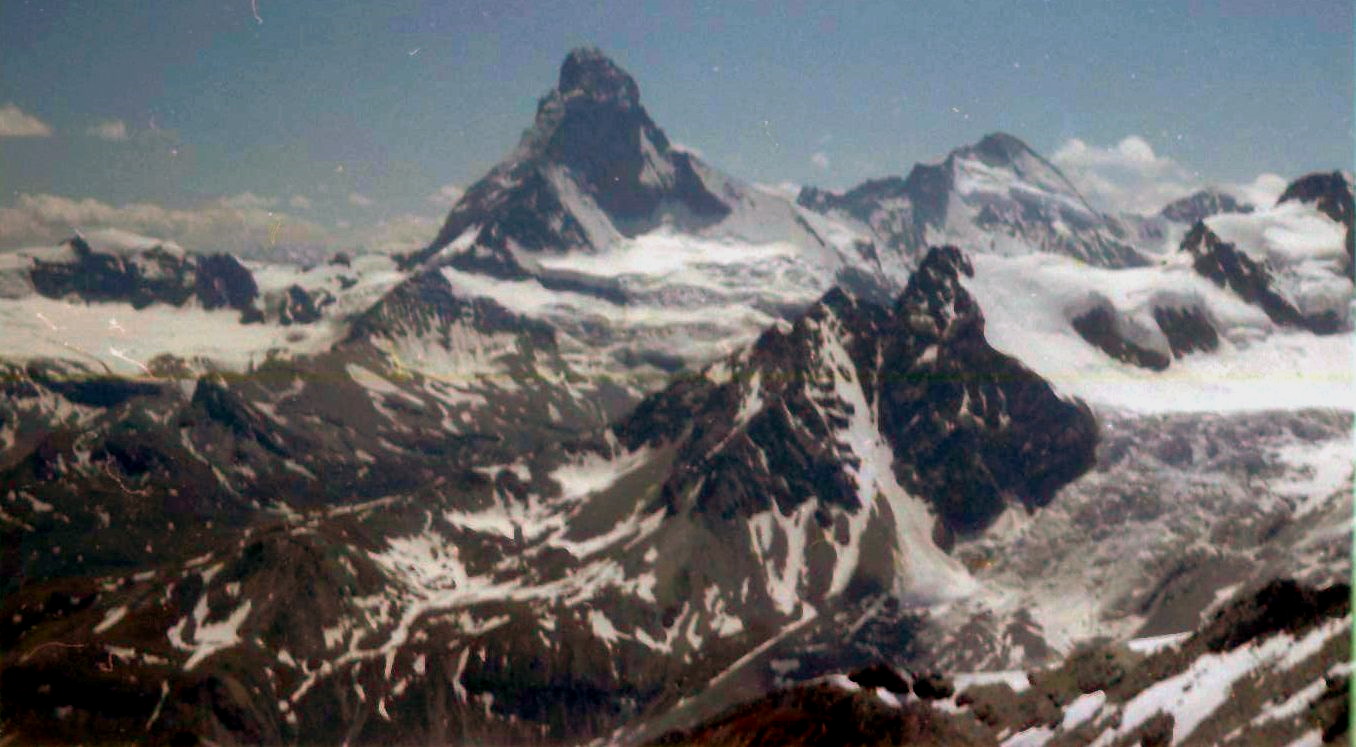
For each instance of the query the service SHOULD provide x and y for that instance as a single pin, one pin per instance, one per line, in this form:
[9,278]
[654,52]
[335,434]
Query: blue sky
[343,114]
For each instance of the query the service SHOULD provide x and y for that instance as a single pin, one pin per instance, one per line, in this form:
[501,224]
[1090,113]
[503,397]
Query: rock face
[968,427]
[1100,328]
[154,275]
[1299,283]
[980,428]
[995,195]
[1186,329]
[885,205]
[592,125]
[220,280]
[825,714]
[1330,193]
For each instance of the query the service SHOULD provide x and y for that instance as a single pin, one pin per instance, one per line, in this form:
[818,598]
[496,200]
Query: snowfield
[124,340]
[1029,303]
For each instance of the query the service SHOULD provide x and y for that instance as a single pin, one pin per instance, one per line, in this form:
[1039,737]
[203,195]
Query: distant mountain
[591,133]
[599,225]
[997,195]
[139,273]
[118,301]
[1201,205]
[1160,234]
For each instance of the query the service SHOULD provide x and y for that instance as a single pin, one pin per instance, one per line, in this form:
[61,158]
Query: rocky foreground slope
[1272,668]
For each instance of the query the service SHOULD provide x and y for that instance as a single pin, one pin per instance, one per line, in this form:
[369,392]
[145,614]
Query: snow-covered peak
[1201,205]
[1001,153]
[995,196]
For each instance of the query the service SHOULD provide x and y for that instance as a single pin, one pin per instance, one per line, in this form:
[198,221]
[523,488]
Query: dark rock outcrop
[217,402]
[1188,329]
[94,391]
[881,675]
[148,276]
[1281,605]
[1099,327]
[971,429]
[824,715]
[220,280]
[1329,192]
[299,306]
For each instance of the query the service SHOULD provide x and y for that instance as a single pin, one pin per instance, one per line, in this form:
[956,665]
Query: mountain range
[634,451]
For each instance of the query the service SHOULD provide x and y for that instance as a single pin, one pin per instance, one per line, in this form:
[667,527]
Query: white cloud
[112,130]
[1127,176]
[1130,177]
[359,200]
[1263,191]
[447,195]
[820,159]
[241,223]
[246,224]
[401,233]
[14,122]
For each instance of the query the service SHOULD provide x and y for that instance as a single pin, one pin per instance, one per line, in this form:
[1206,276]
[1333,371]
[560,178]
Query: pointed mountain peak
[587,71]
[1001,150]
[594,109]
[592,166]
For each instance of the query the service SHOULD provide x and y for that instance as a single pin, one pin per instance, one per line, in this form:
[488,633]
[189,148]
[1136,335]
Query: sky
[218,122]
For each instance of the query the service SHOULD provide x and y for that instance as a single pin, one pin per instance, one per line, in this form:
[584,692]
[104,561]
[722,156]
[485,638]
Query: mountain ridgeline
[969,428]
